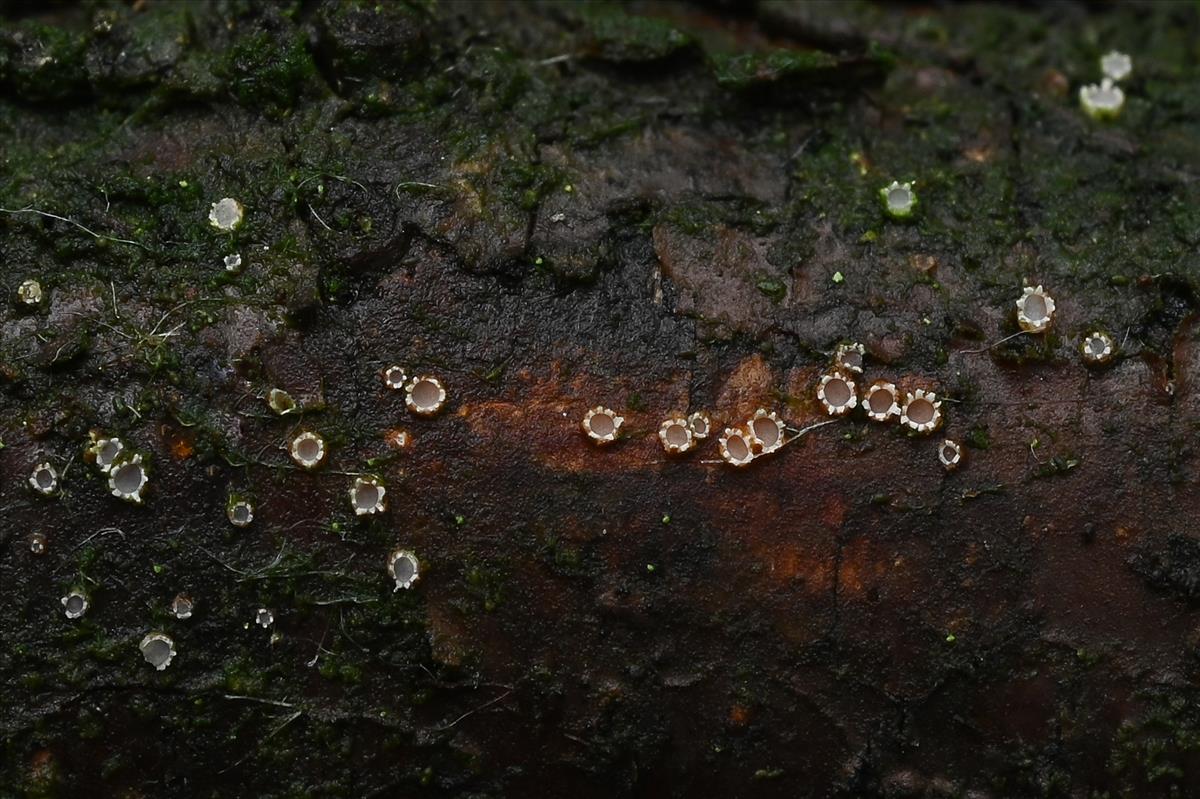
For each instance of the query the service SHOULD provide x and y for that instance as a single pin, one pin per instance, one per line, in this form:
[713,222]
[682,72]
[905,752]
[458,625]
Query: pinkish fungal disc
[675,435]
[602,425]
[425,396]
[105,451]
[735,447]
[394,378]
[766,431]
[75,604]
[158,650]
[127,479]
[308,450]
[240,513]
[404,568]
[700,424]
[836,393]
[921,411]
[44,479]
[881,402]
[850,357]
[950,454]
[366,497]
[1035,310]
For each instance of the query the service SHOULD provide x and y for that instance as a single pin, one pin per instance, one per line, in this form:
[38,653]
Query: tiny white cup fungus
[1098,348]
[1103,101]
[1116,65]
[366,496]
[766,431]
[922,411]
[950,453]
[75,604]
[280,401]
[700,425]
[394,378]
[736,447]
[264,618]
[158,650]
[899,200]
[182,606]
[880,401]
[676,435]
[404,568]
[1035,310]
[37,543]
[30,292]
[104,452]
[240,512]
[226,214]
[127,478]
[44,479]
[602,425]
[233,263]
[837,393]
[425,395]
[849,357]
[308,450]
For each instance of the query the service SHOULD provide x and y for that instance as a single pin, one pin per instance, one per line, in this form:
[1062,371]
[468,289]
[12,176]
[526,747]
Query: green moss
[626,38]
[268,71]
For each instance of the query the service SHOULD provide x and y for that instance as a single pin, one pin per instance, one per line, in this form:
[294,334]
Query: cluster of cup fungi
[762,434]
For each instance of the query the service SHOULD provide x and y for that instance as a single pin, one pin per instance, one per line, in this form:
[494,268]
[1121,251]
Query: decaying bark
[658,208]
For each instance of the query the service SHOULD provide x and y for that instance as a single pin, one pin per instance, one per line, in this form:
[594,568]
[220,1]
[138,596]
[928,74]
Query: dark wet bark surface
[659,208]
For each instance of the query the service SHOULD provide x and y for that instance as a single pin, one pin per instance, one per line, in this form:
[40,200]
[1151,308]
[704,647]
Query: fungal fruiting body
[366,496]
[226,214]
[766,431]
[602,424]
[899,200]
[880,401]
[240,512]
[676,435]
[700,425]
[849,357]
[127,478]
[233,263]
[922,411]
[1098,348]
[836,393]
[44,479]
[394,378]
[182,606]
[280,401]
[425,395]
[1035,310]
[308,450]
[103,452]
[1116,65]
[950,454]
[37,543]
[736,447]
[29,292]
[404,568]
[264,618]
[1103,101]
[75,604]
[158,650]
[398,439]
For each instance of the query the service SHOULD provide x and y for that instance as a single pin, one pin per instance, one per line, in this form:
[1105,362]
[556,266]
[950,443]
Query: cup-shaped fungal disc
[75,604]
[849,357]
[308,450]
[766,431]
[127,478]
[240,513]
[158,650]
[700,425]
[29,292]
[676,435]
[1116,65]
[1035,310]
[881,402]
[1098,348]
[394,378]
[37,543]
[950,453]
[366,496]
[899,200]
[602,424]
[837,393]
[264,618]
[736,447]
[226,214]
[105,451]
[404,568]
[182,606]
[1103,101]
[280,401]
[425,395]
[922,411]
[44,479]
